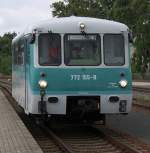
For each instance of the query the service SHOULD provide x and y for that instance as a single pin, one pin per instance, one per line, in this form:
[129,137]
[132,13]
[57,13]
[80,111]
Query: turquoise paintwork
[59,80]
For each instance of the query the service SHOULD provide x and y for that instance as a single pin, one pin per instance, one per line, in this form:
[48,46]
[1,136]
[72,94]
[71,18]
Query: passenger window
[114,50]
[49,49]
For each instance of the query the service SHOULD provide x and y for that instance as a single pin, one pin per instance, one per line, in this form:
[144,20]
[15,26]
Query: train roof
[71,25]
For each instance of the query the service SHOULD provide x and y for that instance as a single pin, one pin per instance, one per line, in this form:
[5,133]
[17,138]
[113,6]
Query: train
[74,68]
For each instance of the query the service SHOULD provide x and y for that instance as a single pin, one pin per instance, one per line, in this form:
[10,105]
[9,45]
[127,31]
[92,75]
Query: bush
[5,65]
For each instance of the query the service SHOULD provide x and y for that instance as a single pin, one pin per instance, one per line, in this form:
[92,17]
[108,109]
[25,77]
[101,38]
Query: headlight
[123,83]
[43,84]
[82,26]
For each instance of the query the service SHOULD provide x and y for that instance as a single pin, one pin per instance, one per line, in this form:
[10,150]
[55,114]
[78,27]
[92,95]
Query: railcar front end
[83,73]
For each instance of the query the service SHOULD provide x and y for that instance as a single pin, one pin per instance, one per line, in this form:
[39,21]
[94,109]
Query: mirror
[130,37]
[32,38]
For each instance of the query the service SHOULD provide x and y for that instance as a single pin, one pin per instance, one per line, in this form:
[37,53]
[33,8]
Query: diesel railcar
[73,67]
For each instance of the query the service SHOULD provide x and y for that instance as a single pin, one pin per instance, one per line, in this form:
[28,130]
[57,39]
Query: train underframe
[78,109]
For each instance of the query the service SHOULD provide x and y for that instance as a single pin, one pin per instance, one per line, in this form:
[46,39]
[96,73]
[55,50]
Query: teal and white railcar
[76,67]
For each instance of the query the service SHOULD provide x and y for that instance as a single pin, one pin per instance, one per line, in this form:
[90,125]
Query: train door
[26,63]
[21,72]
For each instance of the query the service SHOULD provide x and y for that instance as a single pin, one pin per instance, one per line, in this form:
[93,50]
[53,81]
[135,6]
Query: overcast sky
[15,15]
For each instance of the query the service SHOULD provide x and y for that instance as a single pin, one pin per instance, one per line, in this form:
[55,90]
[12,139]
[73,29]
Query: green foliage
[142,31]
[5,64]
[90,8]
[5,53]
[134,13]
[123,12]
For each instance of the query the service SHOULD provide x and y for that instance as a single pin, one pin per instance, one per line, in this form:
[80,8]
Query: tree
[123,12]
[136,14]
[5,52]
[90,8]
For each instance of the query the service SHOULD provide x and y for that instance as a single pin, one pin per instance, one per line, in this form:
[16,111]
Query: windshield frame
[80,34]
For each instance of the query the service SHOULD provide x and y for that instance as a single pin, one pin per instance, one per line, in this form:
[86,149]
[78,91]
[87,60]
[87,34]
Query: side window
[16,54]
[13,54]
[114,50]
[21,53]
[49,46]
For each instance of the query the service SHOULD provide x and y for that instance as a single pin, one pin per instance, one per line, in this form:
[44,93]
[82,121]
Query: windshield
[82,50]
[49,49]
[114,51]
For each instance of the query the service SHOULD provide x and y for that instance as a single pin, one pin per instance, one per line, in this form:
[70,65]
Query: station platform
[141,84]
[14,136]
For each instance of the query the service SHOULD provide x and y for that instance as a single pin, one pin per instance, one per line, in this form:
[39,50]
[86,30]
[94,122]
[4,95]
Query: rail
[92,139]
[58,141]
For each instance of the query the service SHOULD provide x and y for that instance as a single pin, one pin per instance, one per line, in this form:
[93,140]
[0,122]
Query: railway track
[140,105]
[86,139]
[6,84]
[144,91]
[5,77]
[141,89]
[75,139]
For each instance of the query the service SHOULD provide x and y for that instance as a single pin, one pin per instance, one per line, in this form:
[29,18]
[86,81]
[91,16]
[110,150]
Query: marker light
[82,26]
[123,83]
[43,84]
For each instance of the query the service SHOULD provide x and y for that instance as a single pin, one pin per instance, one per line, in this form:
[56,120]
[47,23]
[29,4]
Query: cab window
[82,50]
[114,50]
[49,49]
